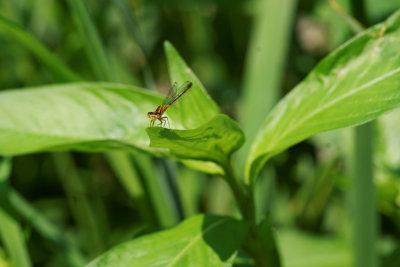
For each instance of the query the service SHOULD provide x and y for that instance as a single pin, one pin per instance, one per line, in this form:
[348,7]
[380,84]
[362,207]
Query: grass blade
[94,47]
[365,220]
[10,231]
[57,68]
[265,62]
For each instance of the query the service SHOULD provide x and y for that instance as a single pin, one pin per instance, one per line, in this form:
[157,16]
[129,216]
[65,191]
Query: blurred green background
[70,207]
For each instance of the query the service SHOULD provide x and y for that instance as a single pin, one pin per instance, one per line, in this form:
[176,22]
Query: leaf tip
[168,46]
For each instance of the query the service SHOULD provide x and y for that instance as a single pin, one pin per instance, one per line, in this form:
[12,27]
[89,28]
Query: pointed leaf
[356,83]
[198,106]
[203,240]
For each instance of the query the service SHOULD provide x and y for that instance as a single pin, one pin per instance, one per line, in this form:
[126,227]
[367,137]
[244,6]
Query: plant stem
[355,25]
[256,245]
[238,191]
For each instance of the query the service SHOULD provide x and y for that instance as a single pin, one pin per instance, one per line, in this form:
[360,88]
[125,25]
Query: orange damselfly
[174,95]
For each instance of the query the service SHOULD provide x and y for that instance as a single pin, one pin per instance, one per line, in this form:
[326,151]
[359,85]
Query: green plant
[354,84]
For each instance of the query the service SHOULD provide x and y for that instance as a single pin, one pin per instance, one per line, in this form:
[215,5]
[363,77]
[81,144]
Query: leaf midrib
[194,240]
[334,101]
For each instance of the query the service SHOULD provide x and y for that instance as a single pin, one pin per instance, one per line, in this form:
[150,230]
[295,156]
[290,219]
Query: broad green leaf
[83,116]
[214,141]
[356,83]
[198,104]
[203,240]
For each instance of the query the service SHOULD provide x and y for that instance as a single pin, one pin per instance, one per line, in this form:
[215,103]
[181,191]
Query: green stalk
[130,179]
[364,206]
[260,243]
[88,212]
[244,202]
[265,64]
[10,230]
[157,189]
[355,26]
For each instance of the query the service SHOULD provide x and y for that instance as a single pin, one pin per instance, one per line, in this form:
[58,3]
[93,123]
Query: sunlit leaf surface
[202,240]
[83,116]
[356,83]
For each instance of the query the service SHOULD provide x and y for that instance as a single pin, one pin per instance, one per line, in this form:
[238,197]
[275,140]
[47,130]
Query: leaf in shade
[214,141]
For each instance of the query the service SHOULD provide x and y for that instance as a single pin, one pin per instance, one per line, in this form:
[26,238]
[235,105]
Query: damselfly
[174,95]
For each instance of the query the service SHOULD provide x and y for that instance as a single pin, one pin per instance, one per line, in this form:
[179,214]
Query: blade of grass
[365,220]
[353,24]
[58,69]
[94,47]
[265,64]
[155,185]
[137,35]
[124,170]
[87,210]
[10,230]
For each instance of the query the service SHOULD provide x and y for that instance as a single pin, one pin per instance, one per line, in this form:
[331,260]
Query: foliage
[354,84]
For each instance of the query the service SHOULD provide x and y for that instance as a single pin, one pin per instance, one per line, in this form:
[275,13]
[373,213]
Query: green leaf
[198,105]
[83,116]
[87,117]
[214,141]
[203,240]
[354,84]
